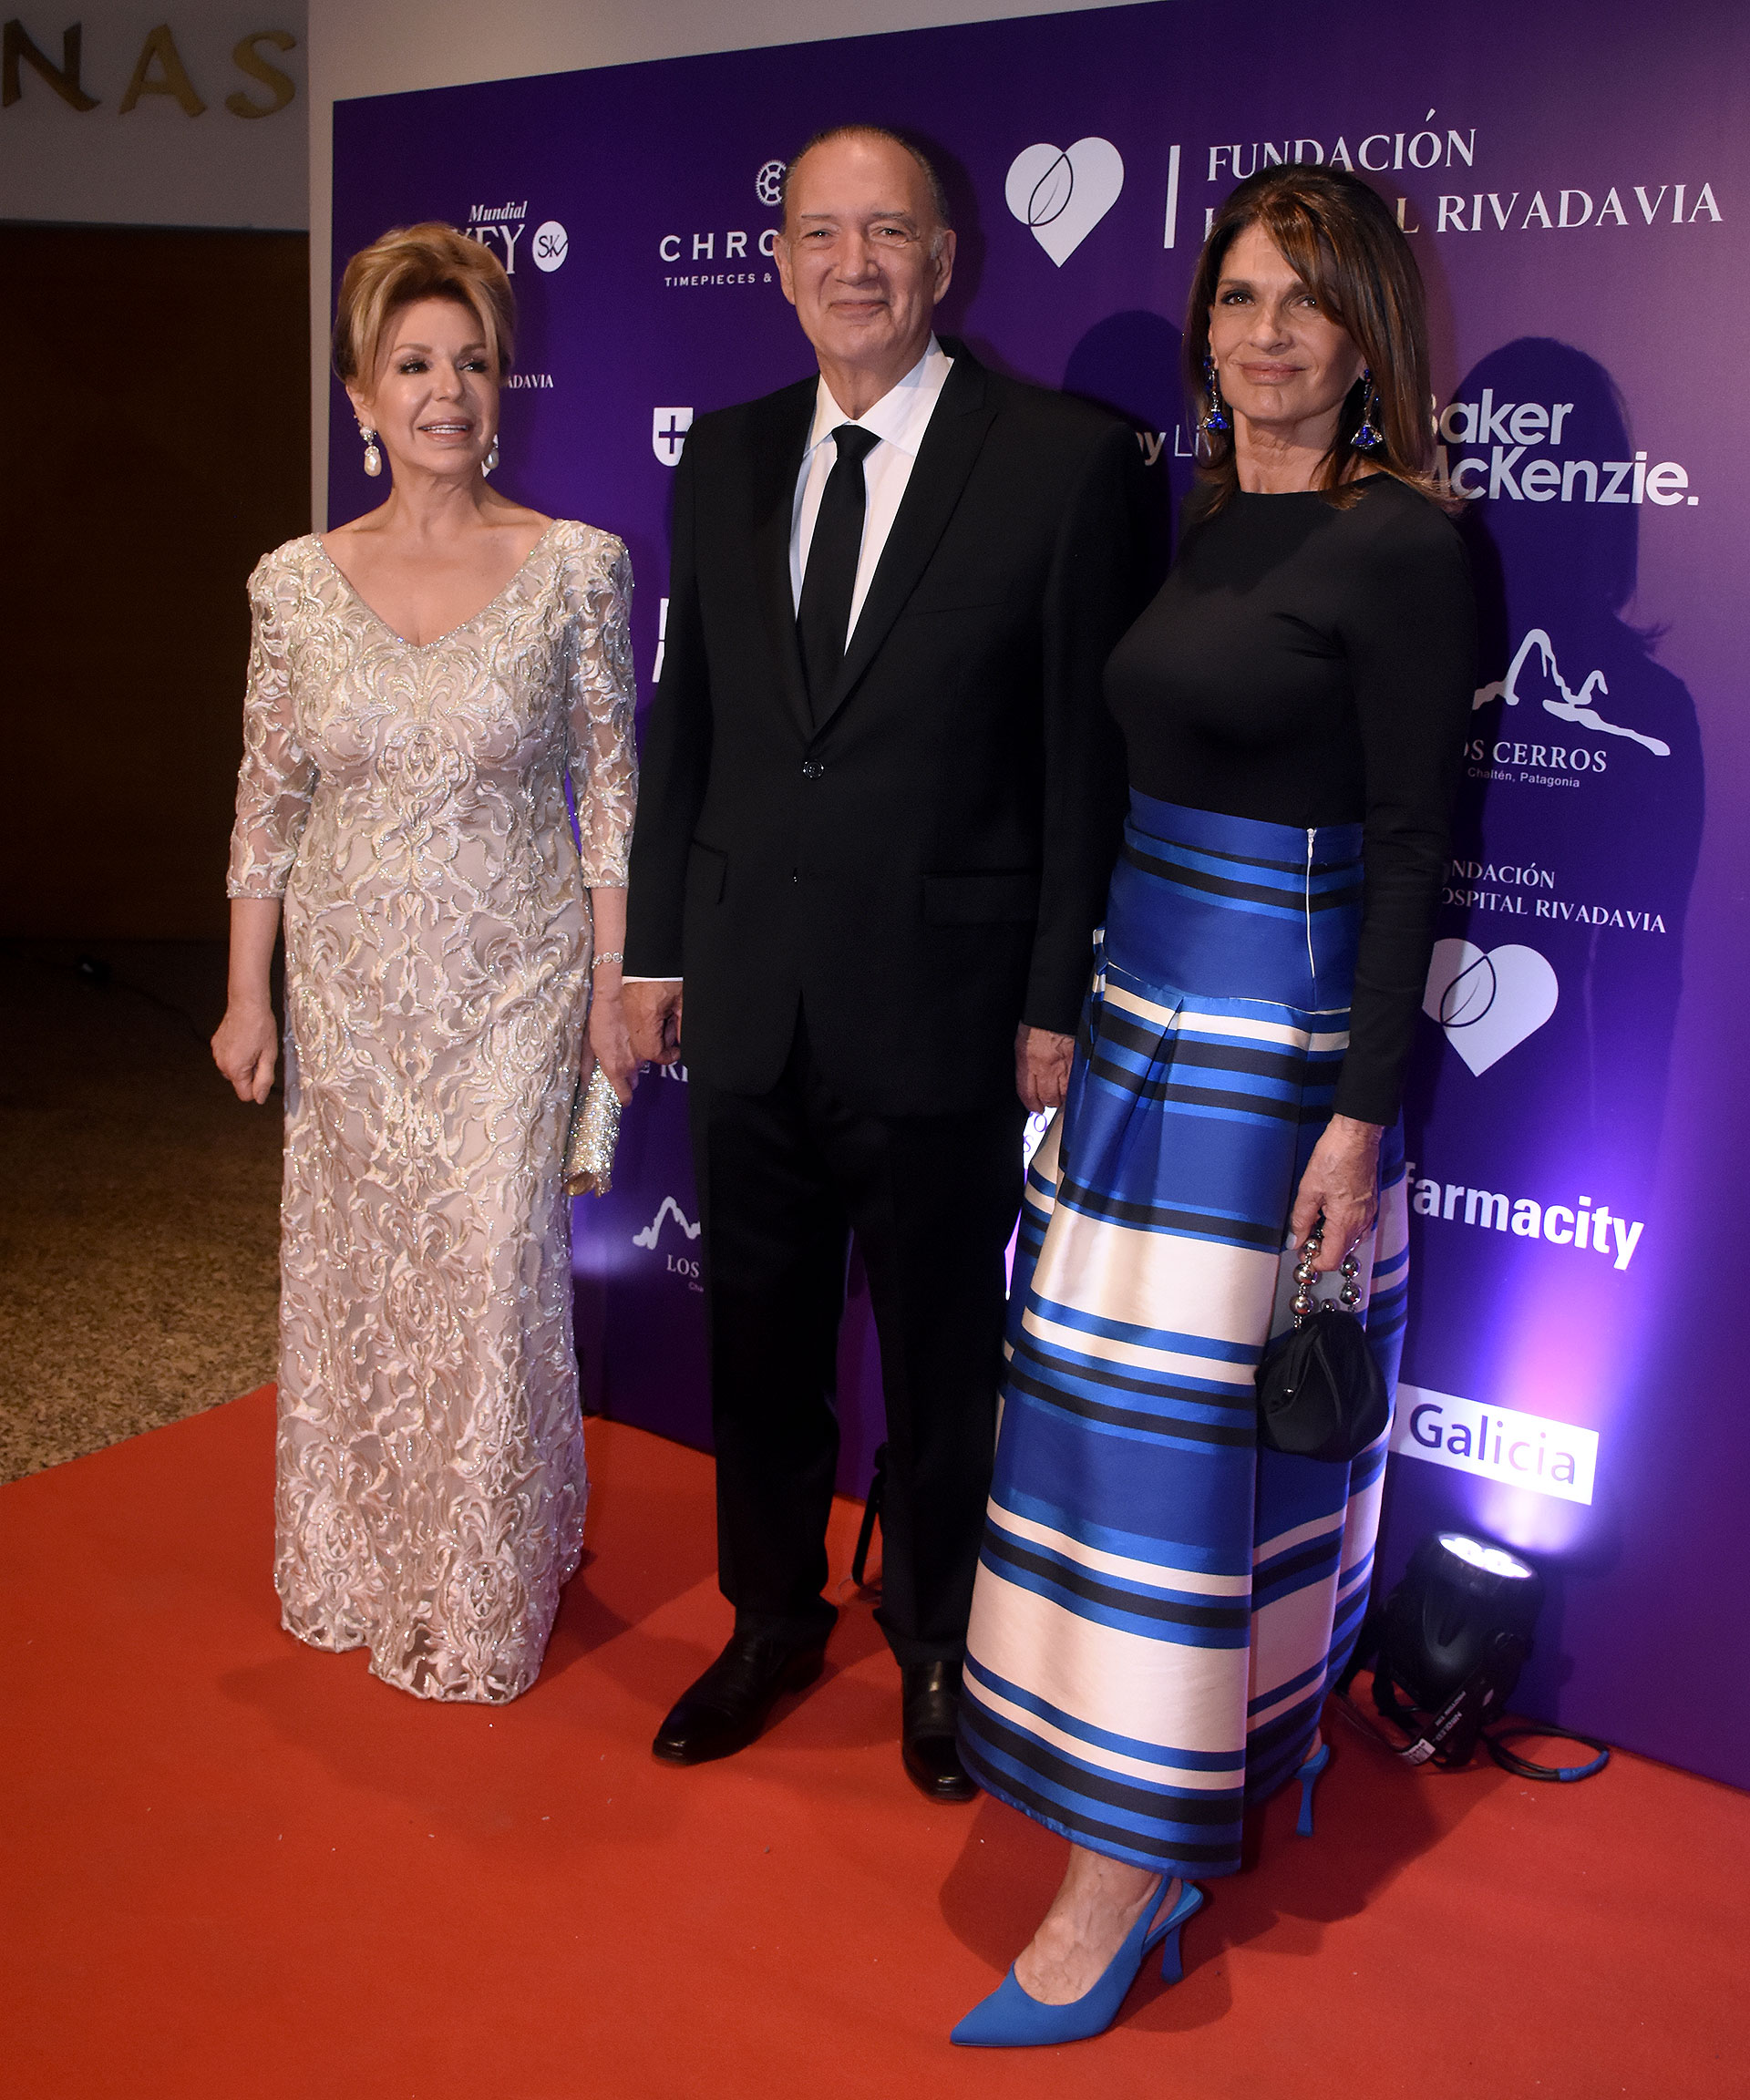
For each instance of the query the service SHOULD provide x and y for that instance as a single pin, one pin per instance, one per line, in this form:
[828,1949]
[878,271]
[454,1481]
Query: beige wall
[387,46]
[205,141]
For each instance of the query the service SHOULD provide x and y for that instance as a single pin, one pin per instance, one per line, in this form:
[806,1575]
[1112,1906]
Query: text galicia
[1528,1451]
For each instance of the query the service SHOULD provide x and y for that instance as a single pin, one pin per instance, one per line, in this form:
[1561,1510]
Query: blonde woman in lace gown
[421,684]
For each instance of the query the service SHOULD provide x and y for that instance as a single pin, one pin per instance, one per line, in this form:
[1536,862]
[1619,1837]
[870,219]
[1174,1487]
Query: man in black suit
[881,801]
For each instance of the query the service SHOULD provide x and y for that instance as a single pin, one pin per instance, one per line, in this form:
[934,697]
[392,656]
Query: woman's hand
[1342,1180]
[610,1038]
[246,1047]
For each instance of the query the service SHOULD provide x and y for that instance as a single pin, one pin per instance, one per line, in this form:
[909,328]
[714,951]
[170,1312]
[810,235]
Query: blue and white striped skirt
[1161,1606]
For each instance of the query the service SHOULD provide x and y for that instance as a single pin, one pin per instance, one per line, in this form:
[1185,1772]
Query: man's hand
[1042,1062]
[652,1008]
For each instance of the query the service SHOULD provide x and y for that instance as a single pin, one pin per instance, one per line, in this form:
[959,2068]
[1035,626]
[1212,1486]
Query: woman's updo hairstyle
[1341,241]
[409,263]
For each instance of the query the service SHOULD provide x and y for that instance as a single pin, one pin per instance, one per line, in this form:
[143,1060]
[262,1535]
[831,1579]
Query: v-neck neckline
[437,640]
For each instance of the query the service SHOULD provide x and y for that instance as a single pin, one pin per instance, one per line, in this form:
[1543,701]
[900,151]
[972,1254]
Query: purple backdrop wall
[1573,181]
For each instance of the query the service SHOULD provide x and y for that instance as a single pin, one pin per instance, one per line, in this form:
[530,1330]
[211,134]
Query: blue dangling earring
[1216,417]
[1367,436]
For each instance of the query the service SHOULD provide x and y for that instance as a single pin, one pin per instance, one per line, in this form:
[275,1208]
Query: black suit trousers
[785,1178]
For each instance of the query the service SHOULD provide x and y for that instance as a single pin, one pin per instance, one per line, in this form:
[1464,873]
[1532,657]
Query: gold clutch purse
[588,1145]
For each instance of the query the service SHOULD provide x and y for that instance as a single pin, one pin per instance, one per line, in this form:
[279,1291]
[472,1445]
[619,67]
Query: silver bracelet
[612,955]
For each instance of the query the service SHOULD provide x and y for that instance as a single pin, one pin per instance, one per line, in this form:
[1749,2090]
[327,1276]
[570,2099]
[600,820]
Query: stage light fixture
[1493,1560]
[1451,1639]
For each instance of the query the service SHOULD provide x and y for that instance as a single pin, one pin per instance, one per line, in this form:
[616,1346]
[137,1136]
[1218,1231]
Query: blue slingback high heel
[1010,2019]
[1310,1774]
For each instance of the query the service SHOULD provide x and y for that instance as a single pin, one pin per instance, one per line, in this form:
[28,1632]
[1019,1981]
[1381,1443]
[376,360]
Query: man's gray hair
[932,181]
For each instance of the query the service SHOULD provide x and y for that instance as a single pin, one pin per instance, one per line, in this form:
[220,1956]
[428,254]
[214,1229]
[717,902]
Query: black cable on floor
[1563,1775]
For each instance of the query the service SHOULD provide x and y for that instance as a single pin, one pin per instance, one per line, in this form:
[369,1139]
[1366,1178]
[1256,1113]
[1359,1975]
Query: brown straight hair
[1340,239]
[408,263]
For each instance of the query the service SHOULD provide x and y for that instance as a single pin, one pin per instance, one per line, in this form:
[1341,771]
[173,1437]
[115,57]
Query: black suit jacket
[922,871]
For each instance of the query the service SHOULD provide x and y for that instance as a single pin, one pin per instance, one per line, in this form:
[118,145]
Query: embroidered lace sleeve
[276,779]
[603,756]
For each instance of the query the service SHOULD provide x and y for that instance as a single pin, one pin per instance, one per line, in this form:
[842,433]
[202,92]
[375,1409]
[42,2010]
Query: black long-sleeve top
[1307,665]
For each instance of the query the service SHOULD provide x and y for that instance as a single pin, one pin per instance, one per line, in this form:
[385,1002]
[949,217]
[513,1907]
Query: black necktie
[823,612]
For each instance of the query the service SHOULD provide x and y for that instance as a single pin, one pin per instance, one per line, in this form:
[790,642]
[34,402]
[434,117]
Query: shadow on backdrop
[1129,363]
[1566,671]
[1575,845]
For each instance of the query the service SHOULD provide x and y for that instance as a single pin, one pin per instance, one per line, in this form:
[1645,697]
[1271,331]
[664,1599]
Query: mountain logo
[667,1209]
[1061,193]
[1560,698]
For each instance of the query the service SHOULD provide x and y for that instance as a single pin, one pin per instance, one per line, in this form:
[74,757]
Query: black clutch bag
[1321,1392]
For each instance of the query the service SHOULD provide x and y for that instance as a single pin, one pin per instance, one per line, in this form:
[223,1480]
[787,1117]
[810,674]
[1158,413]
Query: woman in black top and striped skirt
[1161,1606]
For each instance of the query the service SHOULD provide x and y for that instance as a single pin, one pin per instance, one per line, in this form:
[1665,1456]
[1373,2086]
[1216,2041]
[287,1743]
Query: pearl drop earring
[373,458]
[491,459]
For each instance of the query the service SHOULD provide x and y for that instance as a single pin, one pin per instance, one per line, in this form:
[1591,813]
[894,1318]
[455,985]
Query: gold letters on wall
[247,60]
[64,79]
[158,70]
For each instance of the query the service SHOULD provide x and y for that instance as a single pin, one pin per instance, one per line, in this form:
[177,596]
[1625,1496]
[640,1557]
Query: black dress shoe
[930,1729]
[726,1708]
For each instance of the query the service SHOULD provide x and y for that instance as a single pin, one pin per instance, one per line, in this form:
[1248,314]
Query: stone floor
[138,1199]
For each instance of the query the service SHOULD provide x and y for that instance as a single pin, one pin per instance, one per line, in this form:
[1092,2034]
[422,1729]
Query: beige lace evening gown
[409,801]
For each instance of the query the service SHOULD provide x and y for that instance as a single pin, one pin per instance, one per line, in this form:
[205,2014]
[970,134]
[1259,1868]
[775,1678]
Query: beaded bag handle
[1348,1297]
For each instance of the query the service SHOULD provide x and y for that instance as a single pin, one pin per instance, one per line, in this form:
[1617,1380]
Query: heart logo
[1488,1003]
[1064,195]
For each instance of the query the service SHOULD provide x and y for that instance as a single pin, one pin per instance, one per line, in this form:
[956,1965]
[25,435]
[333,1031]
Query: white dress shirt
[899,420]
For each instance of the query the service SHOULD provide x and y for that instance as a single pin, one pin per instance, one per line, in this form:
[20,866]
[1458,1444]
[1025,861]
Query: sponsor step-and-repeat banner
[1572,180]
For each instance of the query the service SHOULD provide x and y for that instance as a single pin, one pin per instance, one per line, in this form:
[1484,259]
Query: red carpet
[239,1868]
